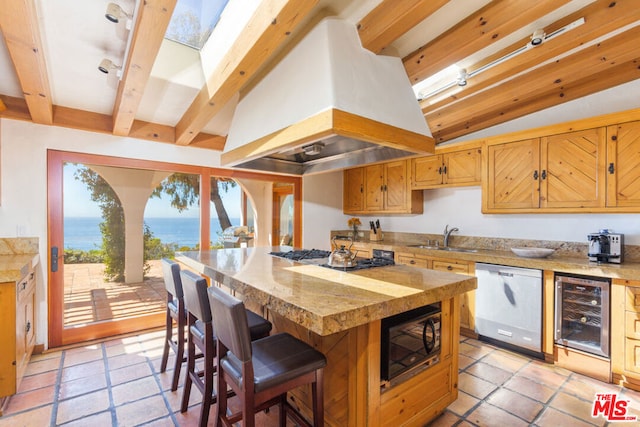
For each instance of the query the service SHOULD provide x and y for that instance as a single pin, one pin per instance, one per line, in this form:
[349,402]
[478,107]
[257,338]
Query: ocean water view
[83,233]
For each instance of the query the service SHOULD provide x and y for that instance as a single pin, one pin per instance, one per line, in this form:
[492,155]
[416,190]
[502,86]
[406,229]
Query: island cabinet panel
[354,395]
[17,331]
[623,158]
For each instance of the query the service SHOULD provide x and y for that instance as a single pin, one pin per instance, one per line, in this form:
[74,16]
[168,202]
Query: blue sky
[78,203]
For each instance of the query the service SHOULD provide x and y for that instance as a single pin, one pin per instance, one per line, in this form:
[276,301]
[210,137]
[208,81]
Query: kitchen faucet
[447,233]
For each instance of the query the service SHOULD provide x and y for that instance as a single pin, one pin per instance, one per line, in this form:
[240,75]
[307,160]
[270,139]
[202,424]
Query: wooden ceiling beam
[268,28]
[601,18]
[620,74]
[19,25]
[391,19]
[488,25]
[593,59]
[17,109]
[151,25]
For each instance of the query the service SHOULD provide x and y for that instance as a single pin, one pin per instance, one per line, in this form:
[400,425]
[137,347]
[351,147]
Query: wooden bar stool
[263,371]
[175,313]
[200,335]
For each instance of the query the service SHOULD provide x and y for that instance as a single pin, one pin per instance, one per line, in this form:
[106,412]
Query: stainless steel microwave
[410,340]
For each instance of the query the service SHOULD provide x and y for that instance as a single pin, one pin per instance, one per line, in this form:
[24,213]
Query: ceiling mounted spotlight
[537,38]
[313,149]
[106,66]
[115,13]
[462,77]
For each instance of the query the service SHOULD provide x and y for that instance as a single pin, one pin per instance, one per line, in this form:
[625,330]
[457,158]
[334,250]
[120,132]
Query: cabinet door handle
[544,174]
[535,174]
[361,188]
[28,327]
[440,170]
[24,285]
[611,168]
[444,170]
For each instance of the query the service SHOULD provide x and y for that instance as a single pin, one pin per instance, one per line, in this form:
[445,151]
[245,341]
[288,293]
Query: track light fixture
[106,66]
[537,38]
[462,77]
[115,13]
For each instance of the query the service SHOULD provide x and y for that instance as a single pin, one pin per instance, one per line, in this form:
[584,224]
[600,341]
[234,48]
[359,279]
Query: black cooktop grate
[297,255]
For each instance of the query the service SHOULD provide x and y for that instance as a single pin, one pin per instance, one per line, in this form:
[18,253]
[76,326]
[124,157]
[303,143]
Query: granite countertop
[566,259]
[18,255]
[320,299]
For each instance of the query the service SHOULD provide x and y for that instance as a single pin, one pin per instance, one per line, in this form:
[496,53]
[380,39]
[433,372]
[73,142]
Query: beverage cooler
[582,313]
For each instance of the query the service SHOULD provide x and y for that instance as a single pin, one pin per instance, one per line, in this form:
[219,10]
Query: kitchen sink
[441,248]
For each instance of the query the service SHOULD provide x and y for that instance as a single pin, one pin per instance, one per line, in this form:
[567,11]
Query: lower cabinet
[17,331]
[467,300]
[625,333]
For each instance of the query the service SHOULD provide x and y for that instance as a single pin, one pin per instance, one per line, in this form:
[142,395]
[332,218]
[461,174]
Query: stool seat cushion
[259,327]
[276,359]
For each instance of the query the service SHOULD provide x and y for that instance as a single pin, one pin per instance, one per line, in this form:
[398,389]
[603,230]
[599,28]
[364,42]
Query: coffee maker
[606,246]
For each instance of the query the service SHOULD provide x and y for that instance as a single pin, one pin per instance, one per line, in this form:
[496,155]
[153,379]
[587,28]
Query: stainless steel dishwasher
[509,307]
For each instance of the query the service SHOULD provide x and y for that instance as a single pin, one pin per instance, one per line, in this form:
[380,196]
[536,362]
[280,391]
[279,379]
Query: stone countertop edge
[14,267]
[319,312]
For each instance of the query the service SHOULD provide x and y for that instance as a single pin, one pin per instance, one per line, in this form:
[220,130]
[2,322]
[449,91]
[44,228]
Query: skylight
[194,20]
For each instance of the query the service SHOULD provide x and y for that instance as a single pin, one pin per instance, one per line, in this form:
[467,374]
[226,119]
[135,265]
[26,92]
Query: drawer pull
[413,261]
[449,267]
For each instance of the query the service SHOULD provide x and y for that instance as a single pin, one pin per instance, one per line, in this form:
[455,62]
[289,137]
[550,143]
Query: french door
[121,290]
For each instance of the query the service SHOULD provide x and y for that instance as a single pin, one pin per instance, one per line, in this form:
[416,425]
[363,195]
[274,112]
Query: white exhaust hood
[329,104]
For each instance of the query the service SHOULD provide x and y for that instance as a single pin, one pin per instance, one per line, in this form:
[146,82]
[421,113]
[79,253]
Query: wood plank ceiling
[583,61]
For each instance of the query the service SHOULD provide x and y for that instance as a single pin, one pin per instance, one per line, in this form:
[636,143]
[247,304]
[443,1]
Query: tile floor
[117,382]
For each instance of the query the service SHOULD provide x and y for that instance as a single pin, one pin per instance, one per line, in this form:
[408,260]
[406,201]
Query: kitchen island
[340,313]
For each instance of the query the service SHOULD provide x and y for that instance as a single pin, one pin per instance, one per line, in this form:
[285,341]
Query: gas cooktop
[321,258]
[299,254]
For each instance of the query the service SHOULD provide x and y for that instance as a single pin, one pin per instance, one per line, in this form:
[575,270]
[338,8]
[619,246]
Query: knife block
[375,237]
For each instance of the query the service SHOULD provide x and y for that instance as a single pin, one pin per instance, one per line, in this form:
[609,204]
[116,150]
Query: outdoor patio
[88,298]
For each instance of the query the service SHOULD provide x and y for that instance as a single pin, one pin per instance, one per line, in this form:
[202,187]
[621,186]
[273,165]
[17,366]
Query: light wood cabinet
[353,195]
[413,260]
[562,172]
[17,331]
[623,158]
[453,169]
[467,300]
[380,188]
[625,333]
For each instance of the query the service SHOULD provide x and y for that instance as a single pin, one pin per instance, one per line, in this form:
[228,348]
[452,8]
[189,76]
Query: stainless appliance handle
[429,345]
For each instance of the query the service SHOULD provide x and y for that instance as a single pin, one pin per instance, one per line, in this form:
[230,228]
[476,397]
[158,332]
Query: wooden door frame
[57,335]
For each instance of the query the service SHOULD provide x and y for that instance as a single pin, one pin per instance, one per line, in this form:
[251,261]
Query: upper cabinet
[450,169]
[380,188]
[353,194]
[623,158]
[562,172]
